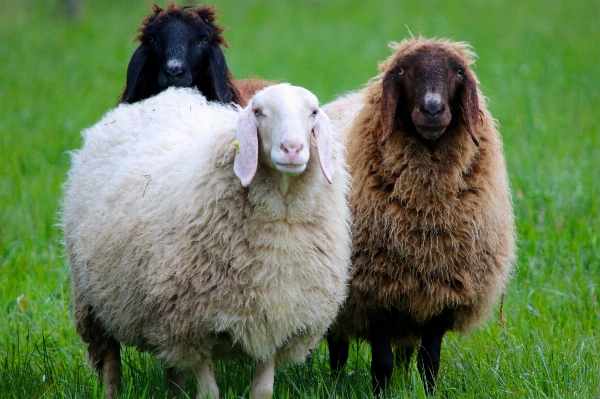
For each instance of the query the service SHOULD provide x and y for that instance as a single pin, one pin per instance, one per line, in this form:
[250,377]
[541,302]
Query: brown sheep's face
[427,87]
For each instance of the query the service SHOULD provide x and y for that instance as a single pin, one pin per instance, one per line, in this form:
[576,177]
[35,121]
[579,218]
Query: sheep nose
[174,71]
[432,109]
[291,148]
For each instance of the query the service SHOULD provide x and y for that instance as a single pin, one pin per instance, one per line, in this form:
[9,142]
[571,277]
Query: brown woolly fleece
[433,224]
[247,88]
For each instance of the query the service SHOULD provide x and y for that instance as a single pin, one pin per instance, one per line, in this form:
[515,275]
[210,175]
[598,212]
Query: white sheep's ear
[246,160]
[322,131]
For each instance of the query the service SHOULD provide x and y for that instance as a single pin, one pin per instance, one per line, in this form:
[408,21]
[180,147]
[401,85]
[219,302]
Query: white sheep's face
[275,129]
[289,121]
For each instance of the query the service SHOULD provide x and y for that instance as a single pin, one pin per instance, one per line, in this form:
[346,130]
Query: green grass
[538,64]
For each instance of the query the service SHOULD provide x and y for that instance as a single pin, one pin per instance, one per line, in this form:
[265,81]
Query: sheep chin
[431,132]
[290,169]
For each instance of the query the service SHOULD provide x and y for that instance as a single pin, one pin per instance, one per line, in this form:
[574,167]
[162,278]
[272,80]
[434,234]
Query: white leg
[207,384]
[262,383]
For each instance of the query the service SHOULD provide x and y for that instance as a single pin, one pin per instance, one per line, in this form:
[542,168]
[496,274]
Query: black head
[179,46]
[425,87]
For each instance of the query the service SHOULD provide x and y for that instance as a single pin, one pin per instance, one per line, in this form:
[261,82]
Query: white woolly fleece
[174,256]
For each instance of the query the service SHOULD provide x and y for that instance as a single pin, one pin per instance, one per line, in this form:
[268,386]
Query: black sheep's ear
[219,73]
[134,69]
[469,101]
[390,96]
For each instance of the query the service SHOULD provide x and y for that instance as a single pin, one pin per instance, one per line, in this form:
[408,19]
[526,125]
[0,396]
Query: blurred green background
[539,65]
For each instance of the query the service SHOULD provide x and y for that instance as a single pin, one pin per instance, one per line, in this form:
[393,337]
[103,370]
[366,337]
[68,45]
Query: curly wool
[172,255]
[433,229]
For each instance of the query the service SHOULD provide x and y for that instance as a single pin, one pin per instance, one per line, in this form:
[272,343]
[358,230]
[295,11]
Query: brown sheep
[433,233]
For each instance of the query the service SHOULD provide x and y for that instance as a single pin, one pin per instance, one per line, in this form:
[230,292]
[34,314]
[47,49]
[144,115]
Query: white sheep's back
[343,110]
[176,257]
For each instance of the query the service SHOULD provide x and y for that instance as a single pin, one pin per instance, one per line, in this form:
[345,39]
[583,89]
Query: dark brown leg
[382,358]
[110,373]
[428,359]
[338,353]
[104,352]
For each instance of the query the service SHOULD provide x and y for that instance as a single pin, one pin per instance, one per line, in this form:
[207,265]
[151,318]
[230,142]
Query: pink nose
[291,148]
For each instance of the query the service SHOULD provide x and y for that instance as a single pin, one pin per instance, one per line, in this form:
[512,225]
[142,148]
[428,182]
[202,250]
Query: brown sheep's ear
[469,102]
[390,93]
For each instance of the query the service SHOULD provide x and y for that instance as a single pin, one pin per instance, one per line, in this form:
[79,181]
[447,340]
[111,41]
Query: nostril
[291,148]
[432,109]
[174,72]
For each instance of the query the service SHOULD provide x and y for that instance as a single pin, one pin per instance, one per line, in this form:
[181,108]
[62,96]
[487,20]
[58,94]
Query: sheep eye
[205,40]
[460,73]
[150,39]
[256,112]
[400,71]
[316,111]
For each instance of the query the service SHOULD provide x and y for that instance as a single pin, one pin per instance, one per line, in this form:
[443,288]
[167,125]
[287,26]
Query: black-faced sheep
[433,225]
[180,46]
[170,253]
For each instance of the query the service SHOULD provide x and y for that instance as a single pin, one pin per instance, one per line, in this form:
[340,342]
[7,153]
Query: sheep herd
[210,218]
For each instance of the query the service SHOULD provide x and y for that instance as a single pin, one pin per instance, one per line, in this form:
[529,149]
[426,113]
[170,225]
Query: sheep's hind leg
[104,352]
[382,358]
[428,359]
[338,353]
[207,384]
[111,371]
[176,381]
[264,377]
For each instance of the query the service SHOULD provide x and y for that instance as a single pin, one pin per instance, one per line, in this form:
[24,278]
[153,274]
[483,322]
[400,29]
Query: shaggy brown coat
[433,225]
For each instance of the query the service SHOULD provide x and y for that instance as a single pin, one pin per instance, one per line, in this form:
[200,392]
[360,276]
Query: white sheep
[343,111]
[171,254]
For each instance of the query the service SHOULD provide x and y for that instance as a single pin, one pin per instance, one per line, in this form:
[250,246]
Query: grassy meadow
[538,65]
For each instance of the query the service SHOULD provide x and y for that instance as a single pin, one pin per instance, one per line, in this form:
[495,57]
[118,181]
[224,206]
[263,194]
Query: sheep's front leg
[382,359]
[207,384]
[428,359]
[176,381]
[264,377]
[338,352]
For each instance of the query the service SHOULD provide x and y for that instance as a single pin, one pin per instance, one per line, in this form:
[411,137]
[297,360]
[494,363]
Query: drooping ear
[246,160]
[219,72]
[390,95]
[322,132]
[469,102]
[134,69]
